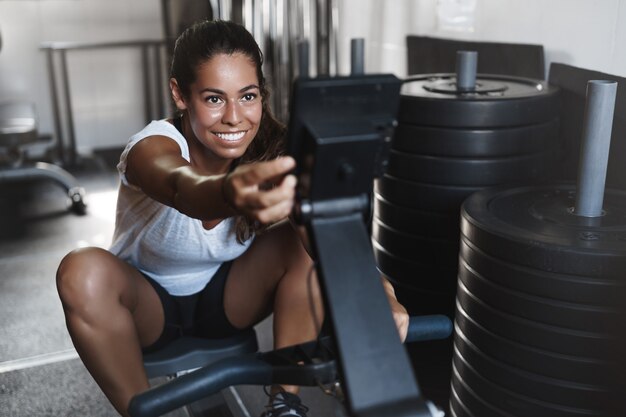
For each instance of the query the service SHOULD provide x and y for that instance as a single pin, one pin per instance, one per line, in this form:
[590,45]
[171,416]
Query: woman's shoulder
[161,127]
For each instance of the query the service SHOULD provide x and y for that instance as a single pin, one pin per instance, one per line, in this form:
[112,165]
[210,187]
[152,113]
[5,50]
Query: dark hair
[198,44]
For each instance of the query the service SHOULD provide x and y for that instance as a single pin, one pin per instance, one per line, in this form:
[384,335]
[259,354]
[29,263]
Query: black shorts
[200,315]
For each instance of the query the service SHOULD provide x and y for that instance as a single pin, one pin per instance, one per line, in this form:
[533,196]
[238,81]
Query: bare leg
[276,274]
[111,311]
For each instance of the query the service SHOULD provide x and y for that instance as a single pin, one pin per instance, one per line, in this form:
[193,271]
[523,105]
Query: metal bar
[596,141]
[333,37]
[322,41]
[56,111]
[303,58]
[466,64]
[68,109]
[160,80]
[357,56]
[237,11]
[99,45]
[147,95]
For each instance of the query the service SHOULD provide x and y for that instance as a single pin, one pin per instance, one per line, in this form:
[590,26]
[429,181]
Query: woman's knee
[83,276]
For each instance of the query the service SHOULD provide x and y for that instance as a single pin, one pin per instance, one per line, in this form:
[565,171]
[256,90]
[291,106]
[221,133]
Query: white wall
[587,34]
[106,85]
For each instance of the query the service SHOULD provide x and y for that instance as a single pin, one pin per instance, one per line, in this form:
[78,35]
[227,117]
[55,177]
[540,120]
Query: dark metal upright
[376,373]
[339,131]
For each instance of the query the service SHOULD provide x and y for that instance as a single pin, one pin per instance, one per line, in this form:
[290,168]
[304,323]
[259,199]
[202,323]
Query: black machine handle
[432,327]
[262,369]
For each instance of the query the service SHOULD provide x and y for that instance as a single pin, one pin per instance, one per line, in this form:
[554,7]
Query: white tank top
[173,249]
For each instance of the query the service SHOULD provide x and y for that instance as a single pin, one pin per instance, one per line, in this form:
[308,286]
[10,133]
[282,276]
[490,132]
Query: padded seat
[189,353]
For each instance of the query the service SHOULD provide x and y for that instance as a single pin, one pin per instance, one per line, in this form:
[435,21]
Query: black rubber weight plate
[553,285]
[511,403]
[545,362]
[470,172]
[533,385]
[539,309]
[421,196]
[417,222]
[413,274]
[539,335]
[424,250]
[534,226]
[524,102]
[475,143]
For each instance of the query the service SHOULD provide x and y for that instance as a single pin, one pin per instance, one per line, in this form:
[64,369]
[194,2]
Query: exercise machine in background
[18,130]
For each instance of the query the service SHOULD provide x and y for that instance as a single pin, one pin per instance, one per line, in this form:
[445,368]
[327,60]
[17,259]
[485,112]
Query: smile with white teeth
[230,136]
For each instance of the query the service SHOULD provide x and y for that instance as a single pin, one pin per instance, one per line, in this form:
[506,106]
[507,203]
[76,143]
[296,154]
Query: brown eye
[213,100]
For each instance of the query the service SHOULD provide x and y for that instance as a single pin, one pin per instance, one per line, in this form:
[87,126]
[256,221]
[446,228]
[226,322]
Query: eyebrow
[221,92]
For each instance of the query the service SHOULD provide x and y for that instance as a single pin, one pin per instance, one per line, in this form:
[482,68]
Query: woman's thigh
[254,276]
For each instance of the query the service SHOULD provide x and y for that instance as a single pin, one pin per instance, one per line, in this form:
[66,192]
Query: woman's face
[224,105]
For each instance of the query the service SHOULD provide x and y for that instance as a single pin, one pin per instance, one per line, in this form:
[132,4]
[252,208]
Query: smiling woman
[193,252]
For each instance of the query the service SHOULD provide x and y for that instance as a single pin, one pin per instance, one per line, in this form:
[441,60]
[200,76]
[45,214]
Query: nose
[232,113]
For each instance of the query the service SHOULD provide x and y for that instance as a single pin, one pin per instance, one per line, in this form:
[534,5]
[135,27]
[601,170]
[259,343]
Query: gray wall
[106,85]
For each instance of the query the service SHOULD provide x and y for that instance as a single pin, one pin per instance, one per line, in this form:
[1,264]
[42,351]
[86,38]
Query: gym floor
[40,372]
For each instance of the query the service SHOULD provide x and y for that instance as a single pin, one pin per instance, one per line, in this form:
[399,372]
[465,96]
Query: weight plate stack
[541,306]
[449,144]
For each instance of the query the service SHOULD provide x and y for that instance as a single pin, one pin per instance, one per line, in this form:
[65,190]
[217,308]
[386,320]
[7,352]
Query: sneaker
[285,404]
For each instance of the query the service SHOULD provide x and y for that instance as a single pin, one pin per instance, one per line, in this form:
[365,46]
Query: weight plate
[509,403]
[480,172]
[545,362]
[421,302]
[421,196]
[539,335]
[464,403]
[418,222]
[425,277]
[475,143]
[552,285]
[536,386]
[534,226]
[523,102]
[575,316]
[426,250]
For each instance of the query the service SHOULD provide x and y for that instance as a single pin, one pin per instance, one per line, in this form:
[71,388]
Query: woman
[193,251]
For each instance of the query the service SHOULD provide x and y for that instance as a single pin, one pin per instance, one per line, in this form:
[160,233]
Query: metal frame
[64,121]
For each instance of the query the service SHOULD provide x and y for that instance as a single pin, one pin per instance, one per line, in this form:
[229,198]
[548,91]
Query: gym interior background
[39,372]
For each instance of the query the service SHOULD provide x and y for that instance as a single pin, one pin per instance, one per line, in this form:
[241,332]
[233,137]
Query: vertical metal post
[466,64]
[333,39]
[357,56]
[58,132]
[322,37]
[303,58]
[147,91]
[68,108]
[596,141]
[160,80]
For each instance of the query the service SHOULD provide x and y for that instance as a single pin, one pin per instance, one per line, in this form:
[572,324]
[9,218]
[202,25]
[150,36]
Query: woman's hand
[263,191]
[400,315]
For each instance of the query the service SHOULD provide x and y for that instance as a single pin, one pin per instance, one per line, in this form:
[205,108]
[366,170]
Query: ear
[177,95]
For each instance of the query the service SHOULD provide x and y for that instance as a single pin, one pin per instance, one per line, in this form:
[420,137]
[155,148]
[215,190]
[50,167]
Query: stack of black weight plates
[540,306]
[447,145]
